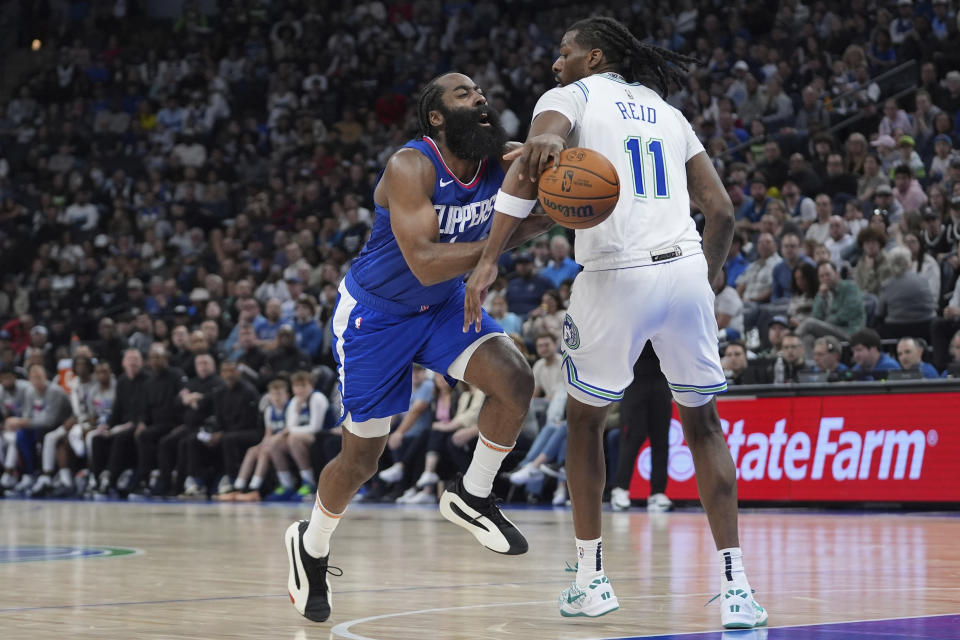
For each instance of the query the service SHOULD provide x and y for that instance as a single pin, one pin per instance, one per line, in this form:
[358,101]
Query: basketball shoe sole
[482,518]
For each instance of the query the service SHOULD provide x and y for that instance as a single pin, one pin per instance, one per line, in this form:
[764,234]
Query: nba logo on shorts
[356,323]
[571,336]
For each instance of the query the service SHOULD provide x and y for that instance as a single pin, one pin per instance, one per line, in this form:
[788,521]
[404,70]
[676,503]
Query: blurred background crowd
[188,182]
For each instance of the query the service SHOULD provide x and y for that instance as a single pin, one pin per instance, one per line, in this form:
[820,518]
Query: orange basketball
[582,191]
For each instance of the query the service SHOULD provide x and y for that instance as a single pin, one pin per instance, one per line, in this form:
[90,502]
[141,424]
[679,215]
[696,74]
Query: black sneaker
[307,584]
[482,517]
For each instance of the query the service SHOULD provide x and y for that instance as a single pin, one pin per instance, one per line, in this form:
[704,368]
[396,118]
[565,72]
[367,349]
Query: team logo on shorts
[571,336]
[356,323]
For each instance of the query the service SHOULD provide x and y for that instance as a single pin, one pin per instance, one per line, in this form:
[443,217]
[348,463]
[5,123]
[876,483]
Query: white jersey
[649,142]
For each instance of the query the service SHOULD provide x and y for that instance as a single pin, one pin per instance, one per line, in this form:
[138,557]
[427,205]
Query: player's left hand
[477,284]
[536,153]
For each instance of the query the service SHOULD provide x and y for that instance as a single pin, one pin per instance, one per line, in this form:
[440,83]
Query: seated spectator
[755,286]
[839,184]
[907,156]
[548,369]
[511,322]
[46,407]
[872,178]
[791,351]
[910,356]
[306,416]
[819,230]
[286,357]
[826,357]
[837,309]
[549,447]
[905,305]
[234,428]
[953,369]
[792,252]
[873,268]
[839,242]
[737,369]
[906,190]
[112,447]
[871,363]
[525,288]
[942,330]
[247,353]
[458,432]
[309,336]
[256,460]
[163,412]
[413,424]
[736,263]
[727,308]
[546,318]
[923,263]
[561,266]
[803,292]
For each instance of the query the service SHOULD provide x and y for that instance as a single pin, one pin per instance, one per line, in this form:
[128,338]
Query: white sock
[255,483]
[11,457]
[589,561]
[307,477]
[48,452]
[239,484]
[316,539]
[487,458]
[286,479]
[66,478]
[731,568]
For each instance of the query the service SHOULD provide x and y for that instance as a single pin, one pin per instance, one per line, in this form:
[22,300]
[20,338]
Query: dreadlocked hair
[429,100]
[634,59]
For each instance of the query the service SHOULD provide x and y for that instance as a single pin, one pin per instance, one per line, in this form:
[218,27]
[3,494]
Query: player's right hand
[477,284]
[536,153]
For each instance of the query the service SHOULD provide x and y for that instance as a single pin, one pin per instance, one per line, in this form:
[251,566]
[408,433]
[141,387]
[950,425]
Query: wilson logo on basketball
[567,211]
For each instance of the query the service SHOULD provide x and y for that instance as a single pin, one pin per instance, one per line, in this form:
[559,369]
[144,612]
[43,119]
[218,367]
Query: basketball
[582,191]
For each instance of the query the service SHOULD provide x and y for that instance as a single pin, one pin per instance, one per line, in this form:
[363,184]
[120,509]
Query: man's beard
[467,138]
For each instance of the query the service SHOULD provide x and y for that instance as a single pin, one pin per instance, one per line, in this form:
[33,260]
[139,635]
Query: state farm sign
[866,447]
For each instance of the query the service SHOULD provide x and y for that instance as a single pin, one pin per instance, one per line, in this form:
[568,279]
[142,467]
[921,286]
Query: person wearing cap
[826,358]
[886,148]
[902,25]
[940,23]
[883,200]
[907,190]
[942,156]
[778,327]
[525,288]
[737,91]
[934,234]
[907,156]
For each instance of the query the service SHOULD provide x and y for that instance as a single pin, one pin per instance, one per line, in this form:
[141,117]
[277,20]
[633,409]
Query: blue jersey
[464,213]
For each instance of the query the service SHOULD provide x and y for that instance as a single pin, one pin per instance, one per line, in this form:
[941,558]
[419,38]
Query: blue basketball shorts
[375,350]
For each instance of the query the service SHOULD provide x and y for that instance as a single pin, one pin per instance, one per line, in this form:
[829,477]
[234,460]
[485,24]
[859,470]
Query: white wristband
[512,205]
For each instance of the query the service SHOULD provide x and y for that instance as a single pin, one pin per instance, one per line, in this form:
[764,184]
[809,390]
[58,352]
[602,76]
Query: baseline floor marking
[343,629]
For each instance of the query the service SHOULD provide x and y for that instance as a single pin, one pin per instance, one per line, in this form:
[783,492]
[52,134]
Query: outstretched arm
[708,195]
[543,145]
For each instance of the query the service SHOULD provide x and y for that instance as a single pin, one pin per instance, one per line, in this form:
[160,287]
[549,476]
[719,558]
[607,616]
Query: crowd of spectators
[191,192]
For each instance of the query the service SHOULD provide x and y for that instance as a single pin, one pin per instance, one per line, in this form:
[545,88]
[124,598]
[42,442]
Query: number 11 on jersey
[655,151]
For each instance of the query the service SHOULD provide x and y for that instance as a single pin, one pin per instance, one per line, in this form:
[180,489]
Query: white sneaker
[560,495]
[125,480]
[191,488]
[26,481]
[7,481]
[393,473]
[525,474]
[224,486]
[738,609]
[594,601]
[405,498]
[427,478]
[422,497]
[41,487]
[658,503]
[619,499]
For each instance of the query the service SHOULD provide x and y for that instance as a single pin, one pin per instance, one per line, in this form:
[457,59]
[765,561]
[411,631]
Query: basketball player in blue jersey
[646,276]
[401,303]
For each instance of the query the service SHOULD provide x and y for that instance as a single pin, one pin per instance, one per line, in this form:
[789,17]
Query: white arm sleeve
[570,100]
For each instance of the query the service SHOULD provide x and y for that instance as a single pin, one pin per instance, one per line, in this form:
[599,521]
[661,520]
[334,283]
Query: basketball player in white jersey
[646,275]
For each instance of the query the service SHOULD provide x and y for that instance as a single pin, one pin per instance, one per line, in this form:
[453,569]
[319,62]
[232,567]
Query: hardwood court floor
[219,571]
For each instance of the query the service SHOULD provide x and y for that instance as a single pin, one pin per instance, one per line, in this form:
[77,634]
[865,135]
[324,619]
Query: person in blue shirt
[871,363]
[561,267]
[309,335]
[748,217]
[910,355]
[511,322]
[525,287]
[736,263]
[791,249]
[249,314]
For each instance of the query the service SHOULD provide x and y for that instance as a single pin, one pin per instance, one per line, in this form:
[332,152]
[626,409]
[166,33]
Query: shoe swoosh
[572,599]
[457,510]
[293,561]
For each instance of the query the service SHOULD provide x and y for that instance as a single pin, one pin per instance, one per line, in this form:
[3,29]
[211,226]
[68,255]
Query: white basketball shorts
[613,313]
